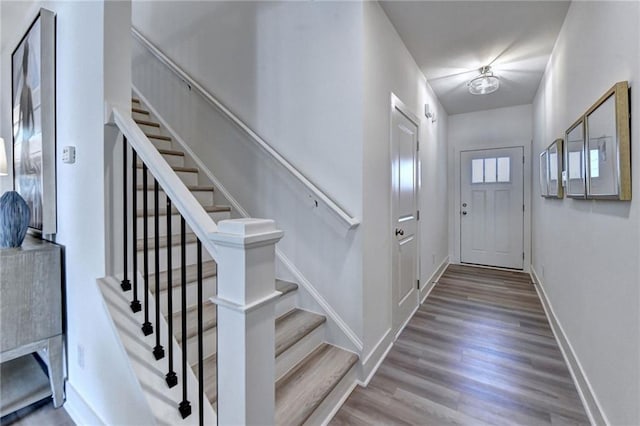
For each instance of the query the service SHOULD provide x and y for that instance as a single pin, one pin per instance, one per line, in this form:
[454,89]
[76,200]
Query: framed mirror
[554,159]
[608,159]
[544,174]
[575,186]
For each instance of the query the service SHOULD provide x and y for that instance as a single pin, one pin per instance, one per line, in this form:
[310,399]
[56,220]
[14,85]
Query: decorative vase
[14,219]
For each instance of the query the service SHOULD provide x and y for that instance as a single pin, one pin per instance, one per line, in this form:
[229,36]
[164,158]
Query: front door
[404,182]
[492,207]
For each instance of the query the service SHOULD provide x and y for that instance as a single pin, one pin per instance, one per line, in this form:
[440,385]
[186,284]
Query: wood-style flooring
[478,351]
[38,414]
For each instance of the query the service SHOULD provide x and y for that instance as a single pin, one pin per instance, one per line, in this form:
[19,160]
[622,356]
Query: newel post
[246,320]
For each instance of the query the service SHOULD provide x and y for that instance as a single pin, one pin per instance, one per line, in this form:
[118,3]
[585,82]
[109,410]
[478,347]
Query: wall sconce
[429,114]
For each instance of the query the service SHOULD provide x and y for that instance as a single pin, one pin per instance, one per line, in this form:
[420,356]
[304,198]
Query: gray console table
[31,314]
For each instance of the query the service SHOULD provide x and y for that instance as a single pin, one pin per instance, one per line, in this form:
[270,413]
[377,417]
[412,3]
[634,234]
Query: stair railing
[244,250]
[318,193]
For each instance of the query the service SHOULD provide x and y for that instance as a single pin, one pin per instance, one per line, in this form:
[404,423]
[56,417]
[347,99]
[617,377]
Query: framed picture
[608,157]
[574,160]
[544,174]
[554,156]
[34,122]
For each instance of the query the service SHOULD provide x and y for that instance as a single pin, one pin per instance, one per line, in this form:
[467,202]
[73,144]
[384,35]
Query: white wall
[389,68]
[495,128]
[102,382]
[586,253]
[292,72]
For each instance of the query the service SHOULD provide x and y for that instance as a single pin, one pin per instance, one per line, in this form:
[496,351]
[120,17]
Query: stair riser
[286,303]
[205,198]
[173,160]
[209,341]
[160,143]
[296,353]
[208,291]
[189,178]
[138,116]
[175,222]
[191,254]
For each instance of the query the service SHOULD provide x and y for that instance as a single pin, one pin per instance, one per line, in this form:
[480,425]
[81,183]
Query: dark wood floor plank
[478,351]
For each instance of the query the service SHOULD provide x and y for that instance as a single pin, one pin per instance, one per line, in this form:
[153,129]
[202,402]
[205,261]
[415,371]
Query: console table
[31,316]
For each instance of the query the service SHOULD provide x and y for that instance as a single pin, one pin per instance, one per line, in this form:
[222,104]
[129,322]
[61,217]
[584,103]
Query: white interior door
[404,172]
[492,207]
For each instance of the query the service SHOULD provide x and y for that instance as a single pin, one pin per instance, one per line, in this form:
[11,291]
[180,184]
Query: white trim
[433,279]
[328,310]
[340,403]
[78,409]
[350,221]
[384,340]
[585,390]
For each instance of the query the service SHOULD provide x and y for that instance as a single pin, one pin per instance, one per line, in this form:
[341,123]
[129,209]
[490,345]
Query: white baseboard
[375,358]
[587,395]
[433,279]
[80,412]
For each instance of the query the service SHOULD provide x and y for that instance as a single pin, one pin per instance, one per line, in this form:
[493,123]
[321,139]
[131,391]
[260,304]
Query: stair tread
[147,123]
[209,269]
[193,188]
[139,110]
[171,152]
[304,388]
[154,136]
[179,169]
[190,237]
[210,368]
[135,100]
[293,326]
[209,320]
[163,212]
[285,287]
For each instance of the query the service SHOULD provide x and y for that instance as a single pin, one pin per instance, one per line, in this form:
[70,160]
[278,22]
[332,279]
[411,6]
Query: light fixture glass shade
[3,159]
[485,83]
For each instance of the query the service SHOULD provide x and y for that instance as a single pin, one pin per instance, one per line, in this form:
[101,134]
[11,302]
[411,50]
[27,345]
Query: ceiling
[451,40]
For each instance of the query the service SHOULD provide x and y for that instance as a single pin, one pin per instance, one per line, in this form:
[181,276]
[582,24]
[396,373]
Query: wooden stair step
[302,390]
[180,169]
[159,137]
[147,123]
[189,237]
[293,326]
[140,111]
[209,270]
[192,188]
[209,320]
[163,212]
[135,100]
[285,287]
[210,368]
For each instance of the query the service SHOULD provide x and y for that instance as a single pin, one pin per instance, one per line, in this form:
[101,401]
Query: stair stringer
[150,373]
[338,332]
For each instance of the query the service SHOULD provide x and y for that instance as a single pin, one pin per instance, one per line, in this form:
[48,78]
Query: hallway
[479,350]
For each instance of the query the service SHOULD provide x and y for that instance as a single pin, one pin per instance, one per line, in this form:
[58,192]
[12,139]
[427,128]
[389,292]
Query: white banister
[194,214]
[349,220]
[246,321]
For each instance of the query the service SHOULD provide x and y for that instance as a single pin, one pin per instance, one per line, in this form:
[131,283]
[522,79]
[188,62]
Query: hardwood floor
[478,351]
[38,414]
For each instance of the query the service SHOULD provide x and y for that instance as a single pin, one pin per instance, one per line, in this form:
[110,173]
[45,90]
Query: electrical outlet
[81,356]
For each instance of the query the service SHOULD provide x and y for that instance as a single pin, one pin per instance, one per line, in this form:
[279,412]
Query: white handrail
[182,199]
[352,222]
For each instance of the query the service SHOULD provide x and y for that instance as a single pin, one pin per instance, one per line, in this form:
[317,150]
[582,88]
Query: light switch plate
[69,154]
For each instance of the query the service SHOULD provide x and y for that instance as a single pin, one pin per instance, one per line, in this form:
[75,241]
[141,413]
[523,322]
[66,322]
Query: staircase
[308,369]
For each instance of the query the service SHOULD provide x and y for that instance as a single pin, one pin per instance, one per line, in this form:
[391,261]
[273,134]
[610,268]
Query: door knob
[464,213]
[399,232]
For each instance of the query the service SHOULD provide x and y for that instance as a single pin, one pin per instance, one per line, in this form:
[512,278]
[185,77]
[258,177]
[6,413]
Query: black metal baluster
[125,284]
[171,377]
[147,328]
[200,347]
[158,350]
[185,405]
[135,303]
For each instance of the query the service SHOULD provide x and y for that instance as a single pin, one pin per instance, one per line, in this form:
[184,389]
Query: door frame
[396,103]
[455,206]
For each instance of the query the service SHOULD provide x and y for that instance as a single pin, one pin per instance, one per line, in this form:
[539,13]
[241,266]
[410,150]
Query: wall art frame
[555,164]
[33,118]
[544,174]
[574,160]
[608,146]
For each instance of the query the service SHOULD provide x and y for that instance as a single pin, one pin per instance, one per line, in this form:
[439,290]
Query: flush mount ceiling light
[485,83]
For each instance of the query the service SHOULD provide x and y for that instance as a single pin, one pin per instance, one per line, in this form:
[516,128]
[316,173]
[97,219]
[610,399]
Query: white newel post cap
[246,232]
